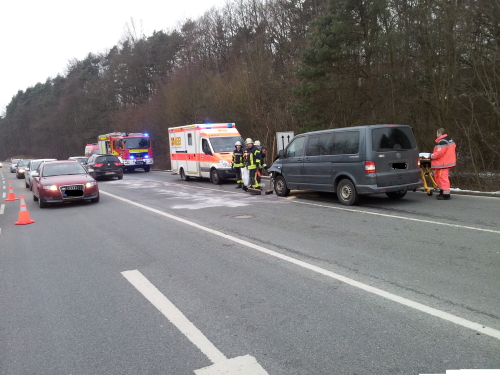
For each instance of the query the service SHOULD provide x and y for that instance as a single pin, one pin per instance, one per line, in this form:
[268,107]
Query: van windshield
[224,144]
[393,139]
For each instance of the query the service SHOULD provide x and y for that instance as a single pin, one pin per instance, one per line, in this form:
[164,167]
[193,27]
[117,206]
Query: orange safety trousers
[441,176]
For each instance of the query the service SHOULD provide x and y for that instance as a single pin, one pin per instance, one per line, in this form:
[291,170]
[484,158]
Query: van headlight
[225,163]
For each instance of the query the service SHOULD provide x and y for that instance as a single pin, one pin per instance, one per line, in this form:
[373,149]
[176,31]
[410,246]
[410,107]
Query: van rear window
[393,139]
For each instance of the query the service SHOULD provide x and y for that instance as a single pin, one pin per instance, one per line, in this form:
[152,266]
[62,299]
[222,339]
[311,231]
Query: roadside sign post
[283,139]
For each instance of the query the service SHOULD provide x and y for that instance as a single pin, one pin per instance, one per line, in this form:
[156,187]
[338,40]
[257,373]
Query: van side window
[326,144]
[312,148]
[296,148]
[190,139]
[346,143]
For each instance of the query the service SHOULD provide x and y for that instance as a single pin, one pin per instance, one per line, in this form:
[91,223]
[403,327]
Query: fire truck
[135,149]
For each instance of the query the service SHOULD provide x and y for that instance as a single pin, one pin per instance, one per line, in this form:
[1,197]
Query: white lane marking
[399,217]
[183,324]
[2,206]
[393,297]
[293,197]
[3,196]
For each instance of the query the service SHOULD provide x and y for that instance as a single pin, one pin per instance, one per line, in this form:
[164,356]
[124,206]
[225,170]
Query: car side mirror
[281,154]
[34,174]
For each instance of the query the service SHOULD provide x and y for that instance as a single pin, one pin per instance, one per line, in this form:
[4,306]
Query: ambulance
[203,150]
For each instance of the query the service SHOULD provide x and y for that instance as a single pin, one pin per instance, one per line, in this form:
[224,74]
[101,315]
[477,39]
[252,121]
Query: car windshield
[23,163]
[14,161]
[224,144]
[62,169]
[35,164]
[136,143]
[81,160]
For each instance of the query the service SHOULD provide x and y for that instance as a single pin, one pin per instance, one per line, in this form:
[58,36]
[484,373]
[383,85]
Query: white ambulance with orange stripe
[203,150]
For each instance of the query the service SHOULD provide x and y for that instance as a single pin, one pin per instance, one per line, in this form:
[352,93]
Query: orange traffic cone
[24,215]
[11,196]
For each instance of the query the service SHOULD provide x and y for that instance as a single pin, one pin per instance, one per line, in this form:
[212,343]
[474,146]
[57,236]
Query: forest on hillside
[284,65]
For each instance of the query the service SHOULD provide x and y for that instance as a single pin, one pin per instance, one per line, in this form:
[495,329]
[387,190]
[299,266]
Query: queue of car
[57,181]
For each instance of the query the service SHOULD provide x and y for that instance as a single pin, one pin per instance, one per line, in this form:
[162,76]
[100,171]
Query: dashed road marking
[222,365]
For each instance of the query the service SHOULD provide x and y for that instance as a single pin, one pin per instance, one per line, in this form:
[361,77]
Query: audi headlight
[90,184]
[50,187]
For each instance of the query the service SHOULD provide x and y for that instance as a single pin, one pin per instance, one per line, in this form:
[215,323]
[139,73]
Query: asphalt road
[164,276]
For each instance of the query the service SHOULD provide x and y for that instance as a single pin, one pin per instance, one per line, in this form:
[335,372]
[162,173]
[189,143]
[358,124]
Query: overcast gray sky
[39,37]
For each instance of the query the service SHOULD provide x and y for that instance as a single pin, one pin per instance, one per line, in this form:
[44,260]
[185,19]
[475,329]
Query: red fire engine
[135,149]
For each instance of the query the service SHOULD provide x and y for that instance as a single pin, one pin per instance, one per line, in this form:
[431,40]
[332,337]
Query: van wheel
[147,168]
[396,194]
[280,187]
[214,177]
[183,175]
[346,192]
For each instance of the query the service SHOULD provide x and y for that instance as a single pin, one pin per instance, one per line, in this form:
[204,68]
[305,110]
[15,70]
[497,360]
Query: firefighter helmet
[238,143]
[257,143]
[249,140]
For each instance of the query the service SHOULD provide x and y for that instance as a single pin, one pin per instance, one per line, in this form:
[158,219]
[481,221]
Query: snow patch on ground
[191,198]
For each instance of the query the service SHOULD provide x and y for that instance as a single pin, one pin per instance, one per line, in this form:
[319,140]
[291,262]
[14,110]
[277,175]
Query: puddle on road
[191,198]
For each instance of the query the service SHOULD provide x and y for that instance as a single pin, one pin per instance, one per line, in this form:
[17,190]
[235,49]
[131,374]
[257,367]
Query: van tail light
[370,167]
[418,162]
[98,165]
[118,164]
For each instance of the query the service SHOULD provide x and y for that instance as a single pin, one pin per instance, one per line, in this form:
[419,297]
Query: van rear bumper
[374,189]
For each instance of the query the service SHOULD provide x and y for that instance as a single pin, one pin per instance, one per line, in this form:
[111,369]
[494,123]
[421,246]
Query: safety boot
[443,197]
[440,193]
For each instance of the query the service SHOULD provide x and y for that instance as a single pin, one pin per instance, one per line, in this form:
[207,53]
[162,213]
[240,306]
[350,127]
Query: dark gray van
[350,161]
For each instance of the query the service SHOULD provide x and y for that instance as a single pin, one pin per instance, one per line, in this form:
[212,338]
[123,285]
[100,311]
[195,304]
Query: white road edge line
[2,207]
[393,297]
[222,365]
[398,217]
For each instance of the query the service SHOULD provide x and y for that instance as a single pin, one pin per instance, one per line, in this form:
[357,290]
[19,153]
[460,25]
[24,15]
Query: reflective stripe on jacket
[238,158]
[253,158]
[444,155]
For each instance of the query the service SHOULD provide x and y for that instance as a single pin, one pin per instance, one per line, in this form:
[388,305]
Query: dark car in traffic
[22,165]
[105,165]
[63,181]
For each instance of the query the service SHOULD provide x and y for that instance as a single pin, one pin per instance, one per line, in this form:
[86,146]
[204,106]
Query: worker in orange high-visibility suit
[442,159]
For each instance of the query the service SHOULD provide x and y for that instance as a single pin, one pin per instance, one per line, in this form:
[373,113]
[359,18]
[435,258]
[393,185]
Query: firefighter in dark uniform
[238,163]
[252,163]
[262,163]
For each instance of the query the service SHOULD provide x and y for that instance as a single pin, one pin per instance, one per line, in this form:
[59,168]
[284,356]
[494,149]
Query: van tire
[147,168]
[183,175]
[214,176]
[280,187]
[346,192]
[396,194]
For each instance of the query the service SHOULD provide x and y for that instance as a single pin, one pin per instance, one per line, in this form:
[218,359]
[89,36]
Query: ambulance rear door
[192,164]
